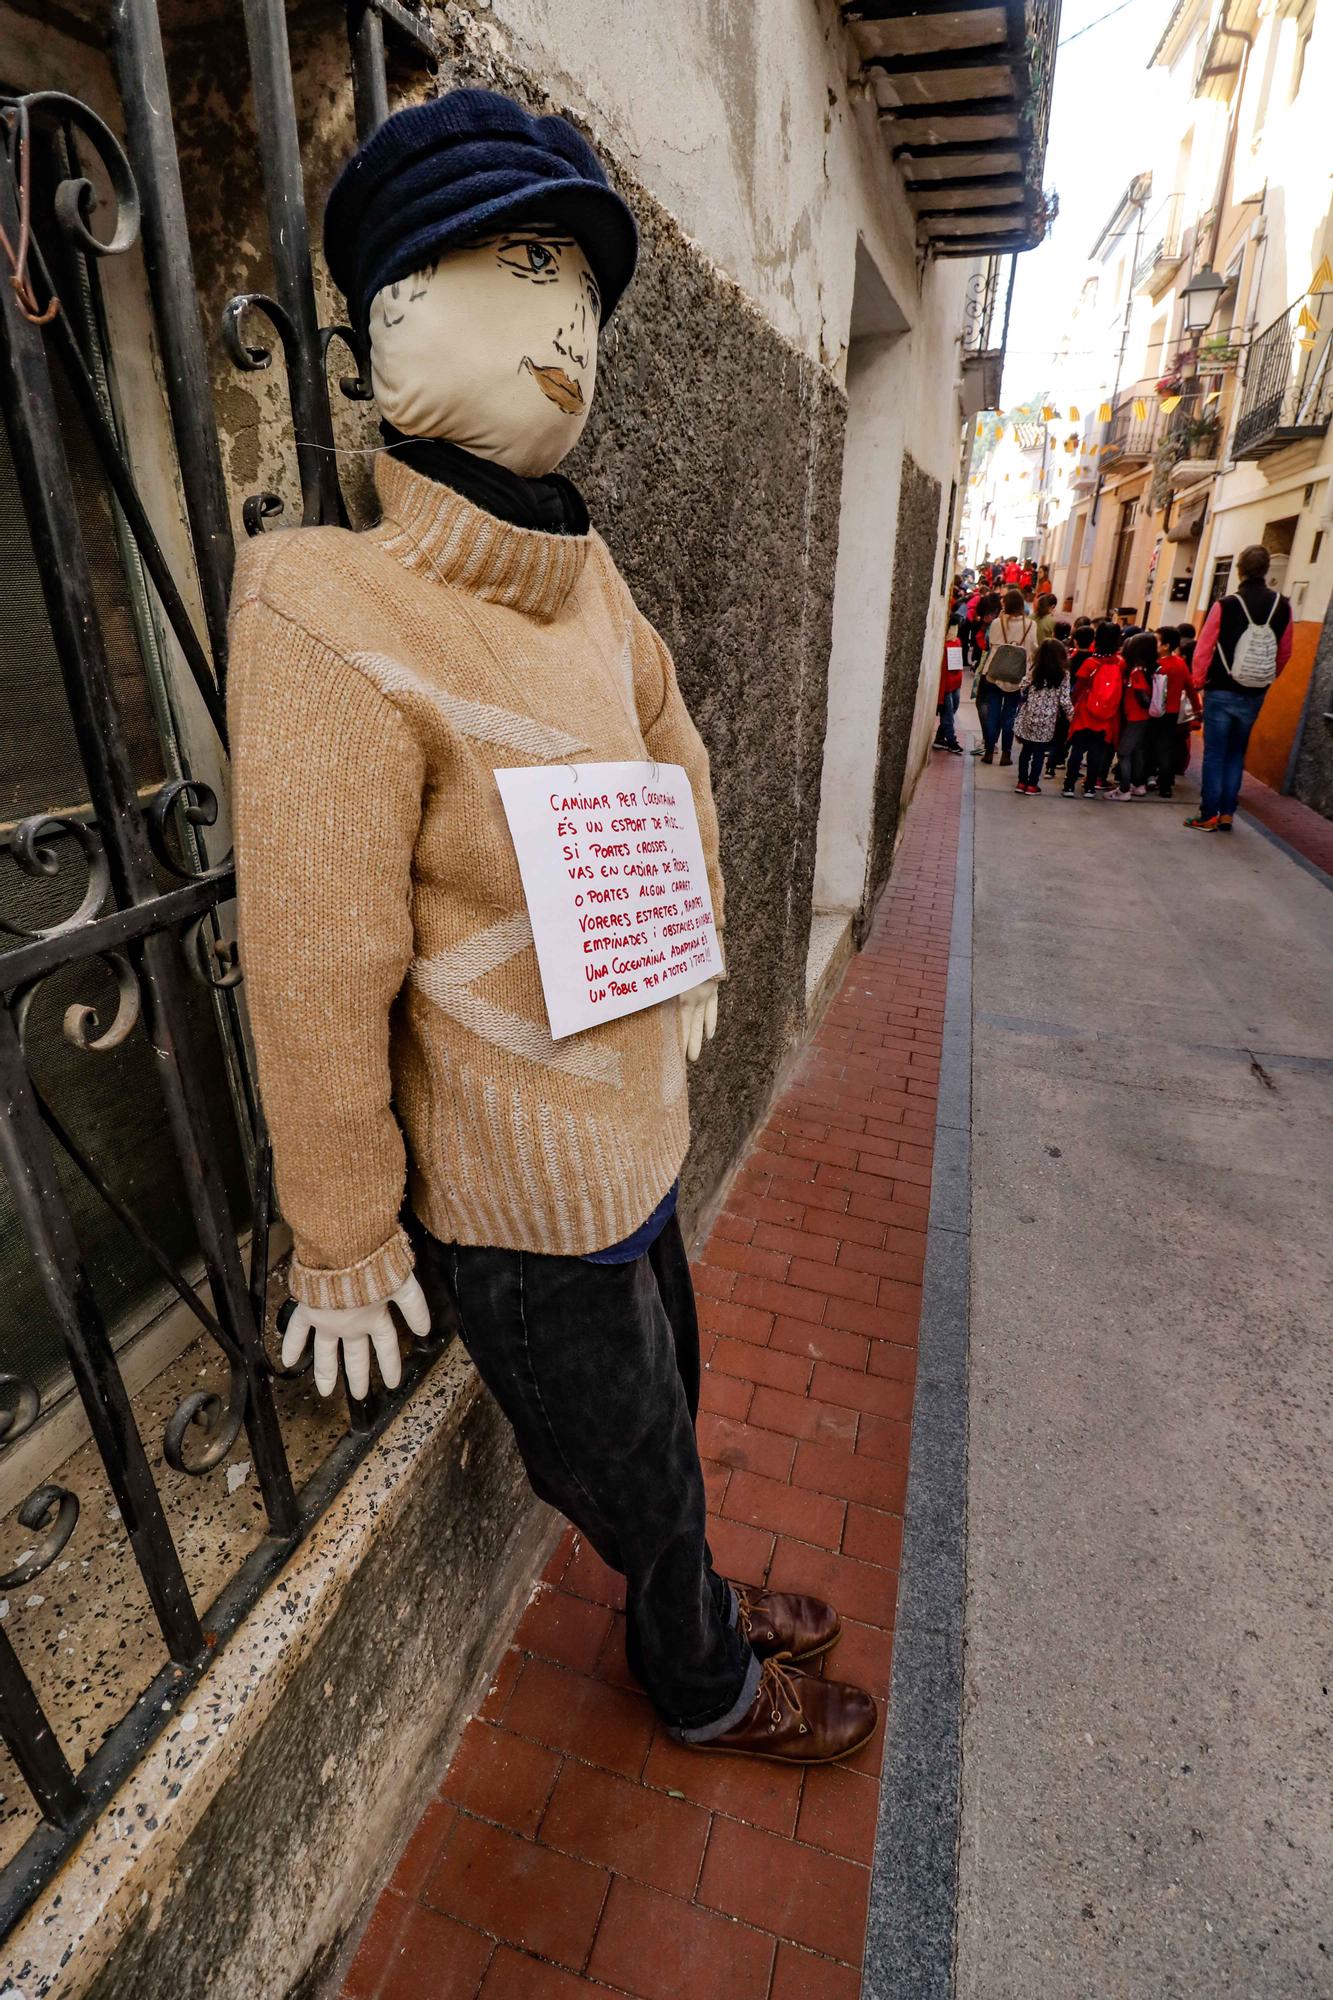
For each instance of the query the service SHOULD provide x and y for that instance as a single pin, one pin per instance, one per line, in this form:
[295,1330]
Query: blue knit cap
[459,167]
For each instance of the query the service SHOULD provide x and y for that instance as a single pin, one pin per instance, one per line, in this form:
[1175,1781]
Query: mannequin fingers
[411,1303]
[710,1015]
[294,1339]
[326,1362]
[388,1354]
[356,1361]
[696,1041]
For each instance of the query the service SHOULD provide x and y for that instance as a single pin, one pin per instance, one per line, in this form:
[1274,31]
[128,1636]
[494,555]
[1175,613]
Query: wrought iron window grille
[149,895]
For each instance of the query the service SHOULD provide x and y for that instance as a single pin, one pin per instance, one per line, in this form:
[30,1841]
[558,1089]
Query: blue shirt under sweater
[643,1237]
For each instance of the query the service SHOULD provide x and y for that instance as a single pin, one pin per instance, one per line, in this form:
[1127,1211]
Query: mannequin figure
[394,991]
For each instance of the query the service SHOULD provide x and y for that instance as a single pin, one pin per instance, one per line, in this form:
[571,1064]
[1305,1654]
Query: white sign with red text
[613,871]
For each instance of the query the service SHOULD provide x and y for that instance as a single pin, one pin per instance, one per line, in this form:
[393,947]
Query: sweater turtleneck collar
[438,529]
[553,505]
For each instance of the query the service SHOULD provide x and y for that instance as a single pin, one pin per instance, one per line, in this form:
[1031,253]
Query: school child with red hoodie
[1094,727]
[1140,656]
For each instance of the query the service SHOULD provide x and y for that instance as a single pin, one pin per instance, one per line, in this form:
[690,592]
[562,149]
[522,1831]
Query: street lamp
[1200,297]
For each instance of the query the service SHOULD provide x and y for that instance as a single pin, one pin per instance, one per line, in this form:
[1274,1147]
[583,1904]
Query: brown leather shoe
[796,1718]
[779,1621]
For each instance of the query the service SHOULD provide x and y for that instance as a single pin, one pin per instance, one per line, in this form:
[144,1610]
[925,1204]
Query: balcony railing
[1288,391]
[1133,437]
[986,331]
[1163,241]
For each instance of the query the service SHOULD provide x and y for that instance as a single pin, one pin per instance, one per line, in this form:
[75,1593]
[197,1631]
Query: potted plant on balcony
[1218,351]
[1200,435]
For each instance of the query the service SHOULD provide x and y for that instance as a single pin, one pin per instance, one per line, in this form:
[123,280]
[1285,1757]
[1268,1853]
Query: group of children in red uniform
[1129,704]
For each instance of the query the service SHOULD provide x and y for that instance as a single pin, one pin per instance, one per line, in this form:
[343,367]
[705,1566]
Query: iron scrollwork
[27,1405]
[53,1512]
[200,808]
[33,845]
[205,1411]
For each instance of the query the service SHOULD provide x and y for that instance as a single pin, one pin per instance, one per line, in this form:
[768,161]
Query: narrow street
[1150,1526]
[1140,1806]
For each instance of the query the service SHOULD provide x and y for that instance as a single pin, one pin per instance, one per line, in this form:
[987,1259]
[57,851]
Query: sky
[1100,136]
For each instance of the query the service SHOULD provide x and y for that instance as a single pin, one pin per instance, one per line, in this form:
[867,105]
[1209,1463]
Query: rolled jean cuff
[744,1700]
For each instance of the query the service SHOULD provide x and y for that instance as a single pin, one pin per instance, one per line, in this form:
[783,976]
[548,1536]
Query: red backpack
[1103,697]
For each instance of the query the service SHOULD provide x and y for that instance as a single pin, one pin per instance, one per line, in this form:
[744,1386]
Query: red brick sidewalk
[573,1846]
[1302,828]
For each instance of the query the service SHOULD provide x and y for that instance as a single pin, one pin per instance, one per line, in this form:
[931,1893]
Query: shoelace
[747,1614]
[779,1683]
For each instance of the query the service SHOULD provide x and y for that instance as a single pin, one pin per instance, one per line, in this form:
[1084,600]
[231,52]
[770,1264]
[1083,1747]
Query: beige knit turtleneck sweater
[378,680]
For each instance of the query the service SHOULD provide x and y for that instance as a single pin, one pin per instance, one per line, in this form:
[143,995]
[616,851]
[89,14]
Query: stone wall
[915,584]
[711,463]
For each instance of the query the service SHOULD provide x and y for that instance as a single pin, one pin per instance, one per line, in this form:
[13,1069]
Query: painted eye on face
[530,259]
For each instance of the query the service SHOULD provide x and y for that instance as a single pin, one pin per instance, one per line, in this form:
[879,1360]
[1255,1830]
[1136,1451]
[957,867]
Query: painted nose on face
[573,340]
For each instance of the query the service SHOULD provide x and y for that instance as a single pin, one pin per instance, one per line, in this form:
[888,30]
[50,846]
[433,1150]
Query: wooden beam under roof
[958,107]
[1001,210]
[952,149]
[964,183]
[929,62]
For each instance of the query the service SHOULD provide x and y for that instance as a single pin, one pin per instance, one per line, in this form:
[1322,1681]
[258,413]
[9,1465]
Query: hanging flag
[1073,413]
[1140,410]
[1104,414]
[1047,414]
[1211,397]
[1169,403]
[999,432]
[1322,280]
[1307,344]
[1307,319]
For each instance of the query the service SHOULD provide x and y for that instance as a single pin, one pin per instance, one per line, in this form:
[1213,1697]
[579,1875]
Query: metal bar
[965,183]
[53,522]
[370,93]
[25,1154]
[31,1743]
[916,10]
[136,47]
[959,107]
[27,962]
[107,446]
[927,62]
[289,245]
[414,26]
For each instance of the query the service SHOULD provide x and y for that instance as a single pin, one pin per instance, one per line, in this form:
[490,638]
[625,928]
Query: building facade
[1216,438]
[242,1625]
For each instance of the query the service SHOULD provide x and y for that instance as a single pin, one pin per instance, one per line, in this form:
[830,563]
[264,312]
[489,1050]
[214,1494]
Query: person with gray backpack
[1243,647]
[1011,647]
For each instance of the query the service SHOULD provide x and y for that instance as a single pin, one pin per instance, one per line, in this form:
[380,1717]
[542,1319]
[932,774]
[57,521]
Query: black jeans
[596,1367]
[1092,744]
[1031,757]
[1161,752]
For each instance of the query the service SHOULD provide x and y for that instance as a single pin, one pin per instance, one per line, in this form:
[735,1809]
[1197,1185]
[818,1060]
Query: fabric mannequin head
[493,346]
[480,250]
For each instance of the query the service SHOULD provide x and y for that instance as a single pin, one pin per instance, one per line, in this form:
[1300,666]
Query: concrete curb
[914,1877]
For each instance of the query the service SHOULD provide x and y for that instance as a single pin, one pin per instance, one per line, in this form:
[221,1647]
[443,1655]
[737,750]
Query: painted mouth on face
[563,390]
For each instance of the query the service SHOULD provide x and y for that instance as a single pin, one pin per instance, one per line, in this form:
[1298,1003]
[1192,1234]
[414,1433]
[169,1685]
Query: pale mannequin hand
[357,1329]
[698,1016]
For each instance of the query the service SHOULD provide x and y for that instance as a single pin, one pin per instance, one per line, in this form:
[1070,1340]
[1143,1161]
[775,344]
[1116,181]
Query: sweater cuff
[369,1283]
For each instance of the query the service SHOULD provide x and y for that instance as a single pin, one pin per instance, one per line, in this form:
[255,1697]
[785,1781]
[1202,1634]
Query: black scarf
[552,505]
